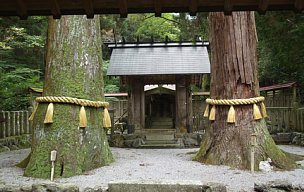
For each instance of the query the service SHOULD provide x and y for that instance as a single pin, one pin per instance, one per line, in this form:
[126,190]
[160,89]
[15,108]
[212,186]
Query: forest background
[22,48]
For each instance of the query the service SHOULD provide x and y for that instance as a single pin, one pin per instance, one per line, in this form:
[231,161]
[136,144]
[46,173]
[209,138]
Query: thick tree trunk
[234,76]
[73,69]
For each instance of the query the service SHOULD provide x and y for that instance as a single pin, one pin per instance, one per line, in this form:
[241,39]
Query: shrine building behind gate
[158,77]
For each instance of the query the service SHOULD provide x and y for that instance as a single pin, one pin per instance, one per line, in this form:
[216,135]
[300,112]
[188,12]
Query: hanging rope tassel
[31,118]
[256,112]
[206,113]
[231,115]
[106,118]
[212,113]
[49,114]
[82,118]
[264,111]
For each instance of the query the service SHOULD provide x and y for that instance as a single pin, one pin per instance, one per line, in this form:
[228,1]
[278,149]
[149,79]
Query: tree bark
[73,69]
[234,76]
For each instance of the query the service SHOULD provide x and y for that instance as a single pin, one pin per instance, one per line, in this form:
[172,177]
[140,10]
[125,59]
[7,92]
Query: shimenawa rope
[70,100]
[233,102]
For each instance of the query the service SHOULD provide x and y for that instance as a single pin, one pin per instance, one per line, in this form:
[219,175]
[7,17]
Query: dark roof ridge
[157,44]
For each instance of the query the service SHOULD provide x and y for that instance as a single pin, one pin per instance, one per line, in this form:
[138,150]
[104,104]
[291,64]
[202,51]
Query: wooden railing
[14,123]
[285,119]
[120,109]
[300,119]
[281,119]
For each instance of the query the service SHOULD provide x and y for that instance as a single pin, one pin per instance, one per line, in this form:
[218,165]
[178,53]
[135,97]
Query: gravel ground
[154,164]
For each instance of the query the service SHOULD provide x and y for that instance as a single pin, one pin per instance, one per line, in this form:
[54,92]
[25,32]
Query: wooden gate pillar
[189,114]
[181,105]
[136,106]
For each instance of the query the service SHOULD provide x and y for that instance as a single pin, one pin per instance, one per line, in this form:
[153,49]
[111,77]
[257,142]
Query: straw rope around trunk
[70,100]
[234,102]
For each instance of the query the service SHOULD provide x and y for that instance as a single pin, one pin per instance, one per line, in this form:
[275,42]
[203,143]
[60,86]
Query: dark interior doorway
[160,111]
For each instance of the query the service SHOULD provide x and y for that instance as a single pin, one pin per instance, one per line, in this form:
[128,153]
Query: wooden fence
[14,123]
[199,122]
[300,120]
[281,119]
[120,109]
[285,119]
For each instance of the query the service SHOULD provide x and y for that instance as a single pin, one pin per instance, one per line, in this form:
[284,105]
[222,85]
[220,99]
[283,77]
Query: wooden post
[253,144]
[28,129]
[137,106]
[53,159]
[22,122]
[294,109]
[142,106]
[130,104]
[8,124]
[3,125]
[14,123]
[112,112]
[18,122]
[181,105]
[274,103]
[189,106]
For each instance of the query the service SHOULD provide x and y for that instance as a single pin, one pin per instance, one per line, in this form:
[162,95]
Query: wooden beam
[88,8]
[263,5]
[55,9]
[299,5]
[228,7]
[21,9]
[193,4]
[158,8]
[123,8]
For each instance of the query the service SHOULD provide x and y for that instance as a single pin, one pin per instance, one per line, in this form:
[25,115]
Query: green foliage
[112,84]
[144,26]
[14,87]
[281,48]
[21,59]
[157,27]
[192,27]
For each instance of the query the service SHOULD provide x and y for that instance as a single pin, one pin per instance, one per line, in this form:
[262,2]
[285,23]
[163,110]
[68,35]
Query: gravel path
[154,164]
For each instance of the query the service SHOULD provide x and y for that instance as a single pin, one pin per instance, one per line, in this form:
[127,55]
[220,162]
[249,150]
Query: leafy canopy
[21,59]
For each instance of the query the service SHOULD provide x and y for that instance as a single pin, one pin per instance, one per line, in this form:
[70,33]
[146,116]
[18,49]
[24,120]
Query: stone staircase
[161,138]
[161,123]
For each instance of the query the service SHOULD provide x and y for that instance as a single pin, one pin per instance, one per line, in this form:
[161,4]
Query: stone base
[277,186]
[165,186]
[42,187]
[121,186]
[15,143]
[293,138]
[154,140]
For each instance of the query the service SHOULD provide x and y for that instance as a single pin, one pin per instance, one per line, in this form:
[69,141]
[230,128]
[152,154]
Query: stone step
[161,126]
[164,186]
[159,131]
[159,123]
[164,119]
[173,143]
[151,142]
[161,145]
[165,137]
[164,123]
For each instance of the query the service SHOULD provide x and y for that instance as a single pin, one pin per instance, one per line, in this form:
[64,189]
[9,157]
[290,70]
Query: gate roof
[159,59]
